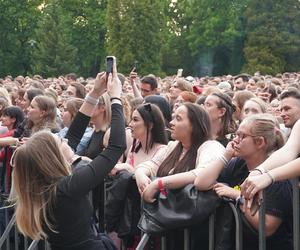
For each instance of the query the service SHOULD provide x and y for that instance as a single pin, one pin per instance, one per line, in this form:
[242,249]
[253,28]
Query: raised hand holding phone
[114,86]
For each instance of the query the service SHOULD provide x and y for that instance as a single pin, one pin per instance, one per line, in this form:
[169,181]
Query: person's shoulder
[212,144]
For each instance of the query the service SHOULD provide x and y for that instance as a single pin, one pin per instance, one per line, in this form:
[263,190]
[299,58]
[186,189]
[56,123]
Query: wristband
[161,187]
[261,170]
[91,100]
[271,177]
[116,98]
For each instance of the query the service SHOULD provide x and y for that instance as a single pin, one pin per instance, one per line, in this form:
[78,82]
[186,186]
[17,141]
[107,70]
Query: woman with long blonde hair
[51,201]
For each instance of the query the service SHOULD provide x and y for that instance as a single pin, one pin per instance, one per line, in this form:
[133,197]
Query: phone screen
[109,64]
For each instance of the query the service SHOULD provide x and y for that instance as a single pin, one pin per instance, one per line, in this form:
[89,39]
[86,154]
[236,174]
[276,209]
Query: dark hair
[201,132]
[154,122]
[14,112]
[150,80]
[80,89]
[163,105]
[228,124]
[33,92]
[290,92]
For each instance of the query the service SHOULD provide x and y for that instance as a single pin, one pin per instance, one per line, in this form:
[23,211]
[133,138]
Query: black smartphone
[109,64]
[135,66]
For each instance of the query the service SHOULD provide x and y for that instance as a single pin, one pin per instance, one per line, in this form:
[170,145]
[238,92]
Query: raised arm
[82,118]
[85,179]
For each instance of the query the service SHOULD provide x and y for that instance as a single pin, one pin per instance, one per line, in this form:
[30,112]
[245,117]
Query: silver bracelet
[91,100]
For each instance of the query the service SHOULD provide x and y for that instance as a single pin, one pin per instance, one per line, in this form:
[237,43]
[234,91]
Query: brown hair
[73,105]
[266,126]
[38,167]
[46,104]
[201,132]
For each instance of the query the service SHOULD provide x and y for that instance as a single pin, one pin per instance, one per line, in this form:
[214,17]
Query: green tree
[88,30]
[216,27]
[54,53]
[273,36]
[175,52]
[135,33]
[18,21]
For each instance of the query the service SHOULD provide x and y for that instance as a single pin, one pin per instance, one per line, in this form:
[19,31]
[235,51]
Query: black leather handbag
[180,208]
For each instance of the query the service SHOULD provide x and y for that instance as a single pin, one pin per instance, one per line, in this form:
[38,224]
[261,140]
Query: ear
[260,142]
[13,119]
[222,112]
[43,113]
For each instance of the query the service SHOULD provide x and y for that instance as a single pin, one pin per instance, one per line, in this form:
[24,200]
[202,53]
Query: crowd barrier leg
[143,242]
[262,227]
[295,183]
[211,232]
[238,228]
[33,245]
[5,235]
[163,243]
[186,238]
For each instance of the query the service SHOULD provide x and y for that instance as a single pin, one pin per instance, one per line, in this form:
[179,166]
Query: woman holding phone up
[55,205]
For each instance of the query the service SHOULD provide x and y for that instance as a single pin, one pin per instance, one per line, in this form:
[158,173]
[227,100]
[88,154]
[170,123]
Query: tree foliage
[134,33]
[18,21]
[54,37]
[273,36]
[54,54]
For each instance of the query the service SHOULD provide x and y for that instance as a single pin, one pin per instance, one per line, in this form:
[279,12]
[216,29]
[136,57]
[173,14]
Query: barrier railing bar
[295,183]
[6,221]
[25,243]
[143,242]
[238,228]
[211,231]
[7,230]
[163,243]
[186,233]
[33,245]
[262,232]
[16,238]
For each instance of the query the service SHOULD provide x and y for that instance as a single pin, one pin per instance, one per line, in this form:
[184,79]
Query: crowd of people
[61,138]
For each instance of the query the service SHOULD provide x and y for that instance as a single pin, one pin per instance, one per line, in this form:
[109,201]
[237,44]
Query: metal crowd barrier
[9,241]
[6,244]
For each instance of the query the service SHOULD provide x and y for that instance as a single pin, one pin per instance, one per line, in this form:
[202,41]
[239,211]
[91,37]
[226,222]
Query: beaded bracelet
[91,100]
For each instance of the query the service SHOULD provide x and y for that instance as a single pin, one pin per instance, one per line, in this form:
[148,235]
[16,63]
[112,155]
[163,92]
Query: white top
[208,151]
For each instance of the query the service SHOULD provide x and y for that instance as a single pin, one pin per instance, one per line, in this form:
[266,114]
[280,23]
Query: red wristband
[162,187]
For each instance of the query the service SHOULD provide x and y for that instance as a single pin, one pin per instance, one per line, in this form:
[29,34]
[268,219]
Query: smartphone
[179,72]
[109,64]
[135,66]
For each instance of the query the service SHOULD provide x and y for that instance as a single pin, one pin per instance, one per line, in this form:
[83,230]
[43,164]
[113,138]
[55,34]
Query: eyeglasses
[242,135]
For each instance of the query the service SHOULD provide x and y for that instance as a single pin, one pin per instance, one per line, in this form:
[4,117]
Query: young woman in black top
[55,204]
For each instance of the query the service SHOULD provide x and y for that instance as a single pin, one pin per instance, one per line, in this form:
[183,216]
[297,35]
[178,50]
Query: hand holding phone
[110,60]
[179,72]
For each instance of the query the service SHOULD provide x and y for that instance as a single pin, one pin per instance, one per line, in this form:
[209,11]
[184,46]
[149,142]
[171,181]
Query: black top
[278,200]
[73,211]
[75,133]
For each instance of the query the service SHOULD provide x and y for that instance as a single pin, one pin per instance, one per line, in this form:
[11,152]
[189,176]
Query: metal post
[238,228]
[143,242]
[33,245]
[211,231]
[262,230]
[163,243]
[5,235]
[186,239]
[295,183]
